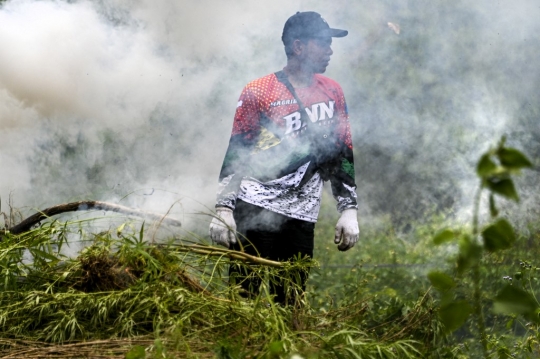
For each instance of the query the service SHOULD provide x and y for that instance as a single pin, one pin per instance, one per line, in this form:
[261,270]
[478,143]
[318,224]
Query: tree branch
[34,219]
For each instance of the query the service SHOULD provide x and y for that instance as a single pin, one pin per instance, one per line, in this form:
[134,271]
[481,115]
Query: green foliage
[371,303]
[137,352]
[494,169]
[498,236]
[512,300]
[123,286]
[443,236]
[120,286]
[511,158]
[441,281]
[470,253]
[454,314]
[497,176]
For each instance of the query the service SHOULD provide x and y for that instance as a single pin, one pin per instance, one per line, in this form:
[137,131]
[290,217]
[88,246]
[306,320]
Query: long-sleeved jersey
[277,159]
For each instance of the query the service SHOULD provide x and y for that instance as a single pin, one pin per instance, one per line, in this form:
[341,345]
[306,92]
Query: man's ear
[298,47]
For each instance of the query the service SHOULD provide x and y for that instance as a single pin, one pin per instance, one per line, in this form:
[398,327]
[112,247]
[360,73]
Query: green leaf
[443,236]
[469,253]
[120,229]
[446,298]
[137,352]
[141,234]
[454,314]
[441,281]
[510,323]
[499,235]
[492,207]
[276,348]
[512,158]
[512,300]
[39,254]
[485,166]
[504,353]
[503,186]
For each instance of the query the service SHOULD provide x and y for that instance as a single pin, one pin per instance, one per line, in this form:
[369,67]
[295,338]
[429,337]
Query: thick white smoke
[70,71]
[100,99]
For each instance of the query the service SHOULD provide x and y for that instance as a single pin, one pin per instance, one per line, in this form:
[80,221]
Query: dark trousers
[273,236]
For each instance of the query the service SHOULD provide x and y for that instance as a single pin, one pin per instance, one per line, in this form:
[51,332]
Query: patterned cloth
[278,161]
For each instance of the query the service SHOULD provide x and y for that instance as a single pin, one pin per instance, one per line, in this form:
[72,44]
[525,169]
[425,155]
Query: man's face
[317,54]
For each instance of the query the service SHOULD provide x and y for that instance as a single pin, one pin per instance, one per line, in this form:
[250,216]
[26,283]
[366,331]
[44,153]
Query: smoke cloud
[132,101]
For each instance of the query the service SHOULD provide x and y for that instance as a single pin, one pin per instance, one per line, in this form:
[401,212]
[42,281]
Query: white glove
[223,227]
[347,230]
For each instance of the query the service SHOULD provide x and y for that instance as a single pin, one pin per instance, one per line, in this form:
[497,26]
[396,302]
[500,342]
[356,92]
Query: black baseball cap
[306,25]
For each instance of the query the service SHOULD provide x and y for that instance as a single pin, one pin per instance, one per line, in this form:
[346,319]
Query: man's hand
[223,227]
[347,230]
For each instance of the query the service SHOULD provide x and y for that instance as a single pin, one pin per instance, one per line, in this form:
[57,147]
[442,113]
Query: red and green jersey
[277,159]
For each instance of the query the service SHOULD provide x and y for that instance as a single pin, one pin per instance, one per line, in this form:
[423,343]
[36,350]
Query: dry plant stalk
[113,348]
[231,254]
[27,224]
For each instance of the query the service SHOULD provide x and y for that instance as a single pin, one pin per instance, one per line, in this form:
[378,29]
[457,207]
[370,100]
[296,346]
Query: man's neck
[298,76]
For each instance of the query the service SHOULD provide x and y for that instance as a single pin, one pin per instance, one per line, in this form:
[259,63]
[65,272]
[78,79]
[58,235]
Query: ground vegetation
[127,294]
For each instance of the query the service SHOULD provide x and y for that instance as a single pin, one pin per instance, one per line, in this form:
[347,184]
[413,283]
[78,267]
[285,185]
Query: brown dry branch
[27,224]
[231,254]
[97,349]
[114,348]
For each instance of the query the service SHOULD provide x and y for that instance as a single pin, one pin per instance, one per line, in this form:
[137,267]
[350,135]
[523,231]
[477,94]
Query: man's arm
[342,180]
[244,133]
[342,176]
[233,170]
[246,128]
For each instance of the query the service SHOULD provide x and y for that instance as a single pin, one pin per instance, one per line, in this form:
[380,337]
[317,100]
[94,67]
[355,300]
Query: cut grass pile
[124,295]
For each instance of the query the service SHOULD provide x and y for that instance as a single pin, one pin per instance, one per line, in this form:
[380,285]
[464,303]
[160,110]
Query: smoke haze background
[132,101]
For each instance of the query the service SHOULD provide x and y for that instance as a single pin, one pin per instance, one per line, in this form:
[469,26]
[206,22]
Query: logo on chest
[318,112]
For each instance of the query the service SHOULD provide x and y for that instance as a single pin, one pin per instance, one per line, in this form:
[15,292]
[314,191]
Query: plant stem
[476,278]
[478,310]
[476,210]
[232,254]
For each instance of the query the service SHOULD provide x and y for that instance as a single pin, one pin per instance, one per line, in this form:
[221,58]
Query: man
[290,133]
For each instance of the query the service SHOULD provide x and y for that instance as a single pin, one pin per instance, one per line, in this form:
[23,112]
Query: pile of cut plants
[125,294]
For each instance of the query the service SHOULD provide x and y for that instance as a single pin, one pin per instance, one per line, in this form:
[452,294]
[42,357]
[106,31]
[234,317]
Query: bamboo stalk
[232,254]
